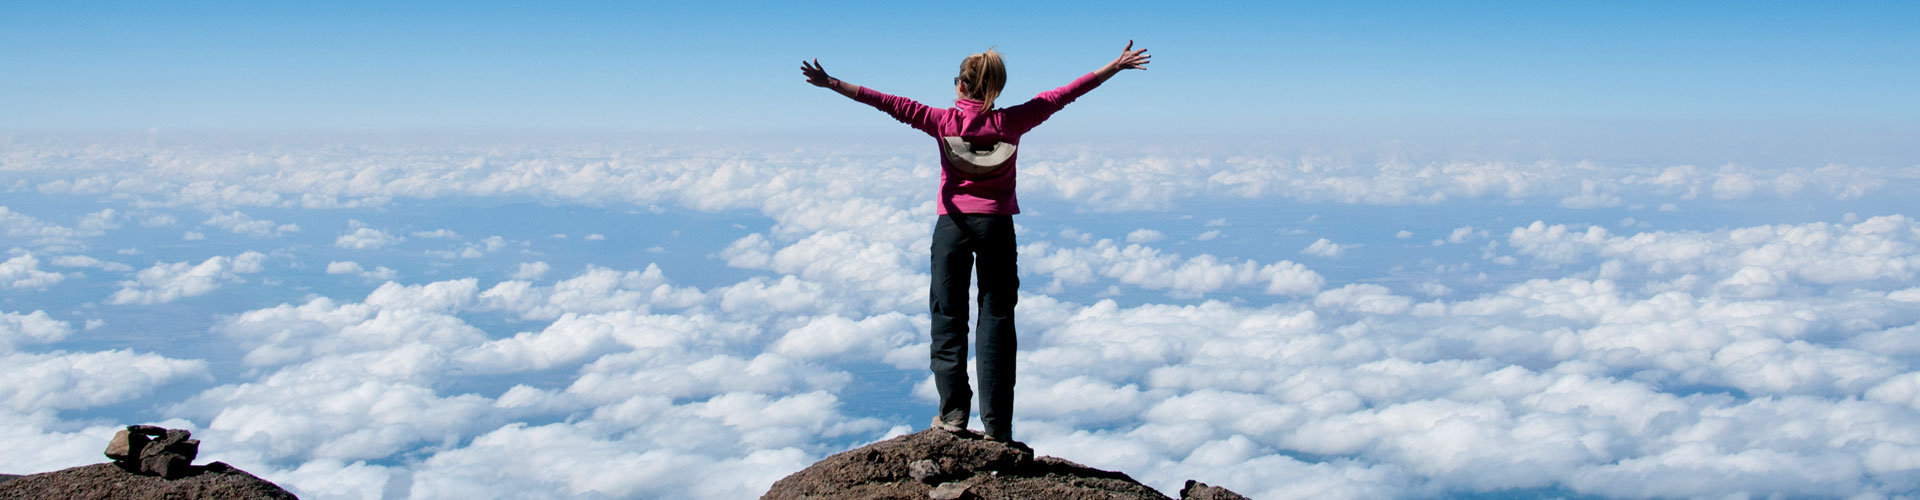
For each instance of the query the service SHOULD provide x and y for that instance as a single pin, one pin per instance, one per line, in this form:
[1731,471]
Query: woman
[979,146]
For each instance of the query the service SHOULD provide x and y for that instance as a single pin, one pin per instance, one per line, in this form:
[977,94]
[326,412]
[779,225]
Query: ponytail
[985,75]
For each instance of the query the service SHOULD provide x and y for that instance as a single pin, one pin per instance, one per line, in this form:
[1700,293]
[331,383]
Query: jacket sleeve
[1025,116]
[916,115]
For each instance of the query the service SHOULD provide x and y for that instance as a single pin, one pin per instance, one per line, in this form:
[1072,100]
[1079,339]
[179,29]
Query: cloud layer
[1521,352]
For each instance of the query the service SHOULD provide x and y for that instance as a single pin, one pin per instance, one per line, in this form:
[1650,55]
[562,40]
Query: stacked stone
[154,451]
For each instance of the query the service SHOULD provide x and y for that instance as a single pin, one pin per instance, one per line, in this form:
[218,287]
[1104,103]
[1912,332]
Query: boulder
[153,450]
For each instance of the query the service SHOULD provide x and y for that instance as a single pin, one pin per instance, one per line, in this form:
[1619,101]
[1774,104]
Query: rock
[171,455]
[153,450]
[982,468]
[1196,490]
[925,471]
[126,445]
[948,491]
[214,481]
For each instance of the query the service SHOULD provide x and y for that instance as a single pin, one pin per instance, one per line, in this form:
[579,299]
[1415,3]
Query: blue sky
[1374,250]
[1260,66]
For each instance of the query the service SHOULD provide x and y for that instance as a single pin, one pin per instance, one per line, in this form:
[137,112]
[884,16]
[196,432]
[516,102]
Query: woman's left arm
[1129,59]
[1028,115]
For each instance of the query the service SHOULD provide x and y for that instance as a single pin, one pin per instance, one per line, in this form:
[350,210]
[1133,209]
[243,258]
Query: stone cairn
[154,451]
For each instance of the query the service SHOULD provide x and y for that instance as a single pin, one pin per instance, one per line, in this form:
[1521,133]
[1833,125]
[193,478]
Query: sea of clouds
[465,317]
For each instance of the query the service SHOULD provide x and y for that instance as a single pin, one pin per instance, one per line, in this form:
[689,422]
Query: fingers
[1129,46]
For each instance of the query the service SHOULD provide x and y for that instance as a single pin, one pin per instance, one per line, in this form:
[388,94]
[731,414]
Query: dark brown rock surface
[914,466]
[154,450]
[214,481]
[1196,490]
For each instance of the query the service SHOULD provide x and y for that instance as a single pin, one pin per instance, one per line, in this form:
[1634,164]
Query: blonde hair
[985,75]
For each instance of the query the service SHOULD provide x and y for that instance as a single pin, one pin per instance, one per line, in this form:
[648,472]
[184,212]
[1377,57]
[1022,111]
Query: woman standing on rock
[978,145]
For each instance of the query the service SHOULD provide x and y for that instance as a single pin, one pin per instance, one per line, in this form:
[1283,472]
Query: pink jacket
[990,193]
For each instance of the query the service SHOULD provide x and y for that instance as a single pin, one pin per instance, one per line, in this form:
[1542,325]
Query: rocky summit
[941,465]
[149,462]
[214,481]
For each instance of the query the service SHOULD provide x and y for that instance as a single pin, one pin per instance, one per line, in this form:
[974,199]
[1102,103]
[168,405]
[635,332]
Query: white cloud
[1464,234]
[288,333]
[240,223]
[22,272]
[618,377]
[1086,177]
[334,408]
[361,237]
[485,246]
[789,294]
[752,251]
[1147,267]
[31,328]
[1815,253]
[1556,243]
[832,335]
[531,270]
[167,282]
[40,233]
[1771,360]
[101,221]
[380,273]
[49,444]
[1145,236]
[158,220]
[562,461]
[855,260]
[86,261]
[61,381]
[329,478]
[1333,382]
[1363,298]
[597,289]
[346,267]
[1324,248]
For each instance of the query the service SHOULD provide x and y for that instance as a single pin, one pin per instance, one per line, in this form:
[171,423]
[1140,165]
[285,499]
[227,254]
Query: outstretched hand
[1131,59]
[815,74]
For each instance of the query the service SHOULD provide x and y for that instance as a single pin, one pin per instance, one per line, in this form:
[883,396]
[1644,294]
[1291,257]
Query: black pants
[960,241]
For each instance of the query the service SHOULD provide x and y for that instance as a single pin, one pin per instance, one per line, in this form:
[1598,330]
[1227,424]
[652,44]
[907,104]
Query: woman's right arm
[817,76]
[908,111]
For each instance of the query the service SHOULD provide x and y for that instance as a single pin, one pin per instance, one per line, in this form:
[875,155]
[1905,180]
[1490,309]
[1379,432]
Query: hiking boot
[1008,440]
[953,426]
